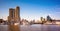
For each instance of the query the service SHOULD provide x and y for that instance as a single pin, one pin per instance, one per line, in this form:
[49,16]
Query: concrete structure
[14,15]
[11,14]
[17,14]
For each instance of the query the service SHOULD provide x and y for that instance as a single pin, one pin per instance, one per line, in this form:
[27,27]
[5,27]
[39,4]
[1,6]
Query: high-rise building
[14,15]
[11,14]
[17,14]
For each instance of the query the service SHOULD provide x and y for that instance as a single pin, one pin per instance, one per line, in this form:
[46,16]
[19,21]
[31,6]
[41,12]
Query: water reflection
[13,28]
[35,27]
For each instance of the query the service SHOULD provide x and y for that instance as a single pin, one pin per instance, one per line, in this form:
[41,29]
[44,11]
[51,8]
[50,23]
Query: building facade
[17,14]
[14,15]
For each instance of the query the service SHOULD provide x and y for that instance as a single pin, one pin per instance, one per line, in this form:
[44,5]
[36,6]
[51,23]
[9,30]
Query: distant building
[1,20]
[24,22]
[49,18]
[41,19]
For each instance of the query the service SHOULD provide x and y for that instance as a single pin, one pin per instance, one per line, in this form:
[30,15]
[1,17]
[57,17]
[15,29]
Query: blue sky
[31,9]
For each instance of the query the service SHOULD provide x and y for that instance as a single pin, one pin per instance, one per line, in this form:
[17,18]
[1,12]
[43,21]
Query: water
[35,27]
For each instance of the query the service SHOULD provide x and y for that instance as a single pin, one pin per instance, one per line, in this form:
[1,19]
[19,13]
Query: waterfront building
[14,15]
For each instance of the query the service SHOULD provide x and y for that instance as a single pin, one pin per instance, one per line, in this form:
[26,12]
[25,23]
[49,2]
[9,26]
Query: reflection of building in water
[14,15]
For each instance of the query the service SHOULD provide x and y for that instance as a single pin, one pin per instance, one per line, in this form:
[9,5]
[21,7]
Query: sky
[31,9]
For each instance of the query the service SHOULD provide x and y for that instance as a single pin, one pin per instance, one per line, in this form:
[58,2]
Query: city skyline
[31,9]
